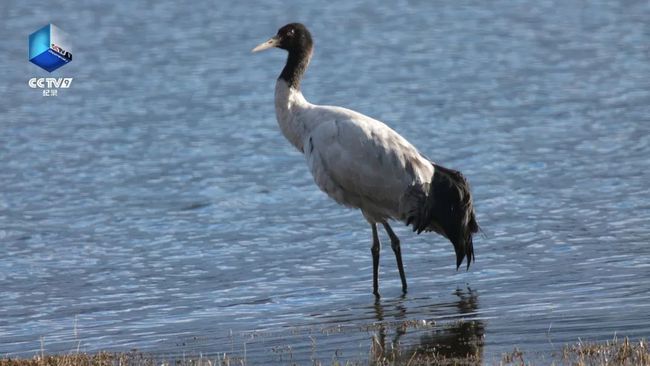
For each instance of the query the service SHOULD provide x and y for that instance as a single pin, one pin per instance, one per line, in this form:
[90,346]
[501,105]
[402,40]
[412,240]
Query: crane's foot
[376,246]
[395,244]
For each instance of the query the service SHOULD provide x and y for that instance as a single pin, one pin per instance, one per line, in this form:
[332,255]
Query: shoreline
[616,352]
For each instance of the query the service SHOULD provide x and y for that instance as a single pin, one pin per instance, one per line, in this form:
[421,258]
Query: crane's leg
[394,243]
[376,246]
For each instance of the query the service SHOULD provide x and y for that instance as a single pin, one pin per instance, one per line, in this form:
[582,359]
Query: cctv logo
[49,48]
[50,83]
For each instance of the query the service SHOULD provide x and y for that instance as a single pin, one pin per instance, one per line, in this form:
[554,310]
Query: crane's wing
[361,162]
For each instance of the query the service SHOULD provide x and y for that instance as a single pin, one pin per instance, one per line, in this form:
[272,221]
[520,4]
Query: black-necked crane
[362,163]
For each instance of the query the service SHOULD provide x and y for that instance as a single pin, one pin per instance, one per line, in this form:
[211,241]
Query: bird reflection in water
[459,339]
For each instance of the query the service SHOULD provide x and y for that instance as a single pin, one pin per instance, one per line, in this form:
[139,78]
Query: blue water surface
[155,204]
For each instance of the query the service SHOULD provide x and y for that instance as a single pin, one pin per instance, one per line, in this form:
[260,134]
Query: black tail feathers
[448,210]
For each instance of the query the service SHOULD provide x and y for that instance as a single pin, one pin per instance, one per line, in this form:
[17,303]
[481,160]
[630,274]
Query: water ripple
[158,206]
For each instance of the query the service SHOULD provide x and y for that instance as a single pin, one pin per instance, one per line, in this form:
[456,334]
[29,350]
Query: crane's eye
[291,32]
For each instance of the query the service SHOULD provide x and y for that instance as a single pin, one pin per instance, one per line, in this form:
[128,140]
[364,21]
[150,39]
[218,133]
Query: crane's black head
[293,37]
[296,39]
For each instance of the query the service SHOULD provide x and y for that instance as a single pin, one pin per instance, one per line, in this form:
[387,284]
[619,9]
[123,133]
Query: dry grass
[612,353]
[120,359]
[82,359]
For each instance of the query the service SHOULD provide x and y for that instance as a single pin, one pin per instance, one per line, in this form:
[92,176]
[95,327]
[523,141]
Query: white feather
[358,161]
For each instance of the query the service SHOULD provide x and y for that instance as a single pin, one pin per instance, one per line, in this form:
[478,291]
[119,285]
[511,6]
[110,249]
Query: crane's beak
[272,42]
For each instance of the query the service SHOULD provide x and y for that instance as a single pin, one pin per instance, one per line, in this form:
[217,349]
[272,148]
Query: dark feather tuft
[448,210]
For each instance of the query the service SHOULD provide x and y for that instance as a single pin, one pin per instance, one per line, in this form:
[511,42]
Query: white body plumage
[358,161]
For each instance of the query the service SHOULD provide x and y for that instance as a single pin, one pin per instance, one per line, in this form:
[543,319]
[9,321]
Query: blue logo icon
[49,48]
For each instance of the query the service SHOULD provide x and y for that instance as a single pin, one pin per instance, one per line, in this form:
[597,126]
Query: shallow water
[155,204]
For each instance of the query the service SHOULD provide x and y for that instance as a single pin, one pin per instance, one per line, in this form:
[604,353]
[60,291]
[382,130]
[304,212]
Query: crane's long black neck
[296,65]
